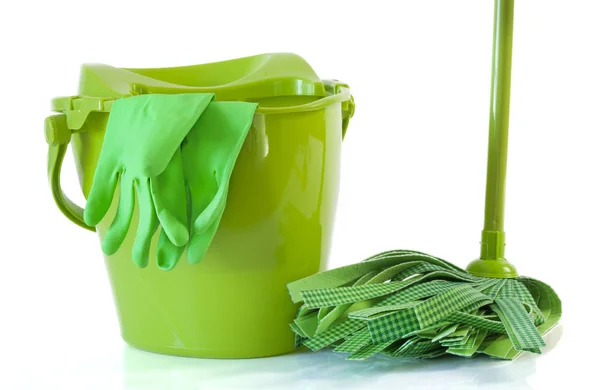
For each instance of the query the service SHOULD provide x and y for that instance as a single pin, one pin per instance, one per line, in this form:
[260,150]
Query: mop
[409,304]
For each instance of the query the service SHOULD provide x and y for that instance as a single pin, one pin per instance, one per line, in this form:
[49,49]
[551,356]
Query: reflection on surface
[306,370]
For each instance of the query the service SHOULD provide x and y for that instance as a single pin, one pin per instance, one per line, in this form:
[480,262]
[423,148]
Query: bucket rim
[77,108]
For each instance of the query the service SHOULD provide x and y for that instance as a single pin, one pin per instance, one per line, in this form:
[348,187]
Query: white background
[413,174]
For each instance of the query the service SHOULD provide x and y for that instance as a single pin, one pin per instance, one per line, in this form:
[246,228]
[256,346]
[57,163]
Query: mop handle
[492,243]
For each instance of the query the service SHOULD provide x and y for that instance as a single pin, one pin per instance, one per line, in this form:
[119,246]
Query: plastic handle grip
[58,136]
[336,87]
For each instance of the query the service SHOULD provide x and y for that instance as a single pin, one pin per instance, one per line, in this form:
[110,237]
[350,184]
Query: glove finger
[213,211]
[116,233]
[167,253]
[101,196]
[148,223]
[169,195]
[200,242]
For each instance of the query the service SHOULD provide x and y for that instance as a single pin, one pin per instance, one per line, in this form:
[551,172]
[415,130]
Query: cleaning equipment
[142,148]
[409,304]
[143,134]
[208,156]
[280,203]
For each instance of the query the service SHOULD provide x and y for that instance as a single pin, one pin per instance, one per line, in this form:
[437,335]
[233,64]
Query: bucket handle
[58,136]
[75,110]
[337,88]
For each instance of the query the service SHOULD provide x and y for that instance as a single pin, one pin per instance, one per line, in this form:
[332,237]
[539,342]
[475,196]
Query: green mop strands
[409,304]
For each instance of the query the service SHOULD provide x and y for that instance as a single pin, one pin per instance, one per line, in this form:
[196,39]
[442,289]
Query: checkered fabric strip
[493,291]
[449,343]
[433,354]
[515,289]
[441,306]
[422,348]
[396,253]
[333,334]
[298,340]
[452,341]
[445,332]
[472,348]
[507,290]
[522,294]
[426,334]
[421,290]
[458,340]
[478,304]
[454,344]
[299,336]
[388,273]
[484,284]
[477,322]
[538,316]
[511,336]
[544,296]
[366,314]
[341,295]
[404,256]
[393,326]
[342,276]
[461,333]
[470,341]
[521,331]
[426,268]
[454,272]
[417,349]
[418,269]
[430,332]
[355,342]
[368,351]
[389,351]
[547,301]
[535,288]
[406,345]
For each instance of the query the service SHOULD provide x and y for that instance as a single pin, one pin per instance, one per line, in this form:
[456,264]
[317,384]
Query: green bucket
[280,209]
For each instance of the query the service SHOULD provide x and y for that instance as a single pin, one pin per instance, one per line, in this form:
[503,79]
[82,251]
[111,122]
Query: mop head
[409,304]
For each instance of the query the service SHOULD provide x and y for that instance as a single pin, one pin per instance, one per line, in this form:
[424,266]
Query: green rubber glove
[209,153]
[141,149]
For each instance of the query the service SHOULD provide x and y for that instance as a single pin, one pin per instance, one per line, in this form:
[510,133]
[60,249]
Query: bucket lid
[244,79]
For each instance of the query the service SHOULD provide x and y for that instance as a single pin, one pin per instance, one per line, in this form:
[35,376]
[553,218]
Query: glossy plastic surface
[58,136]
[492,262]
[276,228]
[77,110]
[250,78]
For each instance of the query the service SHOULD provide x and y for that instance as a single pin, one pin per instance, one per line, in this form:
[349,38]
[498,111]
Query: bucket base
[209,354]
